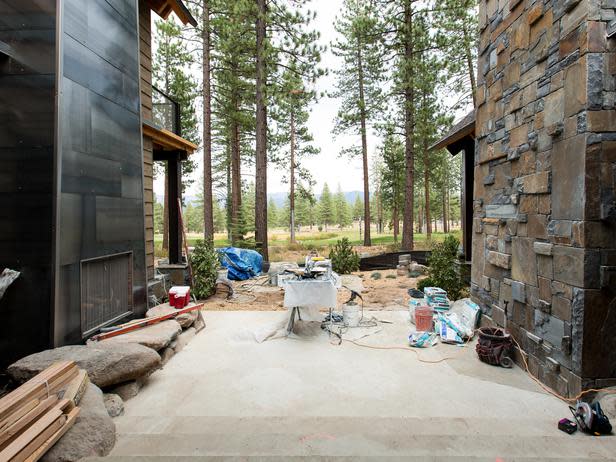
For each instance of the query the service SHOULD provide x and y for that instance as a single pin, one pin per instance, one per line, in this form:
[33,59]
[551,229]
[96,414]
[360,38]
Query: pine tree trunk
[469,64]
[420,219]
[229,195]
[208,211]
[364,145]
[427,185]
[236,181]
[444,208]
[396,223]
[292,182]
[409,127]
[261,134]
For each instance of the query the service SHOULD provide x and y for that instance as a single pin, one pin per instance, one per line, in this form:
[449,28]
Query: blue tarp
[241,264]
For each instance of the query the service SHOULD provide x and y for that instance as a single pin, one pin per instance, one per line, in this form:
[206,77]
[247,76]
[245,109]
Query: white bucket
[350,314]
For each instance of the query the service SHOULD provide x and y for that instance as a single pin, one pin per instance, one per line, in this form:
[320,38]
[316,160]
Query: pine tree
[359,82]
[170,74]
[326,207]
[283,35]
[272,213]
[291,140]
[358,208]
[341,207]
[392,178]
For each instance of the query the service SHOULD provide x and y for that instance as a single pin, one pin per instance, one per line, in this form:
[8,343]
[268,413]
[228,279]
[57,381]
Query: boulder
[92,435]
[167,353]
[114,404]
[156,336]
[416,268]
[107,364]
[127,390]
[183,339]
[185,320]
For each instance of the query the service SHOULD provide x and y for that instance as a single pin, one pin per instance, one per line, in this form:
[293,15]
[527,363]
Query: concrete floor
[225,395]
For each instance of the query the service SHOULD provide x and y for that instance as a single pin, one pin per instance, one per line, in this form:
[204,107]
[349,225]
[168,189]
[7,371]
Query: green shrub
[442,268]
[427,282]
[205,264]
[344,259]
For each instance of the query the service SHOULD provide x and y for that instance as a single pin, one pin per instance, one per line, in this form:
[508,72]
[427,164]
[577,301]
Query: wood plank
[14,430]
[131,326]
[168,139]
[70,420]
[22,411]
[40,439]
[32,388]
[23,440]
[76,388]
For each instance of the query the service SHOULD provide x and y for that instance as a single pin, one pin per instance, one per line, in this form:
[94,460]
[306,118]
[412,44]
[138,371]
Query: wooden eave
[164,8]
[166,140]
[464,128]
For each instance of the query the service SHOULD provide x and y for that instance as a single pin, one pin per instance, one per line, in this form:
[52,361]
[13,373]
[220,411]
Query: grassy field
[282,249]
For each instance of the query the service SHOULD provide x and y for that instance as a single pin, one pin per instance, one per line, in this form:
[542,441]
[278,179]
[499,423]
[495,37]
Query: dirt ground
[389,291]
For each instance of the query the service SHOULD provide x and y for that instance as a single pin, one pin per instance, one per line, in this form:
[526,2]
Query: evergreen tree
[359,82]
[170,74]
[272,213]
[392,178]
[341,207]
[292,138]
[358,208]
[283,35]
[247,219]
[326,207]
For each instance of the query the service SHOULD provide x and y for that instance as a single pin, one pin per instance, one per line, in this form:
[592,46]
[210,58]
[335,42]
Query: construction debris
[33,417]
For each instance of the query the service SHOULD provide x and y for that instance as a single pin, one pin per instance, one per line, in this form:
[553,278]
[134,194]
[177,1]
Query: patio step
[349,438]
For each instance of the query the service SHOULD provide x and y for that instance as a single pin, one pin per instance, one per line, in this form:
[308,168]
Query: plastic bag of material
[422,339]
[467,312]
[449,329]
[241,264]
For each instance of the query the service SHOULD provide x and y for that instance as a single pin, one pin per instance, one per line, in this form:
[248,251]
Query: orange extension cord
[544,387]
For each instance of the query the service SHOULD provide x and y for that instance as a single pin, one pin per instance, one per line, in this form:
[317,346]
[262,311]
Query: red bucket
[423,319]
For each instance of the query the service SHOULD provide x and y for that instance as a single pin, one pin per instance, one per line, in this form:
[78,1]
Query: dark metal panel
[101,193]
[27,82]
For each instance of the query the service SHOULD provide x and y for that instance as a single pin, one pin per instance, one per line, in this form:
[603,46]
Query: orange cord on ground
[544,387]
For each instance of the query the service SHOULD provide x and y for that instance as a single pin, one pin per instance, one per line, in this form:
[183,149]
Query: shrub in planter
[344,259]
[205,264]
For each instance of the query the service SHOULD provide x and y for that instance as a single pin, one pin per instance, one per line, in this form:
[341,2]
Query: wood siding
[145,61]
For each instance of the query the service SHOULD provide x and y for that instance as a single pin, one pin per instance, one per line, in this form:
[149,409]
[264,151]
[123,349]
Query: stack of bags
[37,414]
[437,299]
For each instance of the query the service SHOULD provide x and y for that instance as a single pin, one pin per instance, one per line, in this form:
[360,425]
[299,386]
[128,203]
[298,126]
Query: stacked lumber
[37,414]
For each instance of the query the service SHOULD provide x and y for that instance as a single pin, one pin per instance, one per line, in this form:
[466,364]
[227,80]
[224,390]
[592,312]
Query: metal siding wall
[27,87]
[101,197]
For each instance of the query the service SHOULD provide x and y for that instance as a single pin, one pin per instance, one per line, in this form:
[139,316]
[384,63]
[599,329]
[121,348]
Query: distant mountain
[279,197]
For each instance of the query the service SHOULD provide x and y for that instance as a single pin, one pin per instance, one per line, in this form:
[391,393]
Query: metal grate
[106,290]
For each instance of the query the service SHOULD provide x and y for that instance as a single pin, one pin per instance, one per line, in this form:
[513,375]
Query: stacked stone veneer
[544,227]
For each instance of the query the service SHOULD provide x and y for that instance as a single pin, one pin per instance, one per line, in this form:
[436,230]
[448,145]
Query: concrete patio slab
[226,397]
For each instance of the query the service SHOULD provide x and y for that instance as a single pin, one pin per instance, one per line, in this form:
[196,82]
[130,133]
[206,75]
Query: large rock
[114,404]
[183,339]
[107,364]
[127,390]
[185,320]
[92,435]
[156,336]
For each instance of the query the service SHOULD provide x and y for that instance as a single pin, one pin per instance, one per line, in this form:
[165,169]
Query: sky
[327,166]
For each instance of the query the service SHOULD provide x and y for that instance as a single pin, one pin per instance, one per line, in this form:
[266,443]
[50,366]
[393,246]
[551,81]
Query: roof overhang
[164,8]
[464,128]
[164,140]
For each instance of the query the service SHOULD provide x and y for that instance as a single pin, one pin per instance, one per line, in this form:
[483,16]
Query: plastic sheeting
[241,264]
[310,293]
